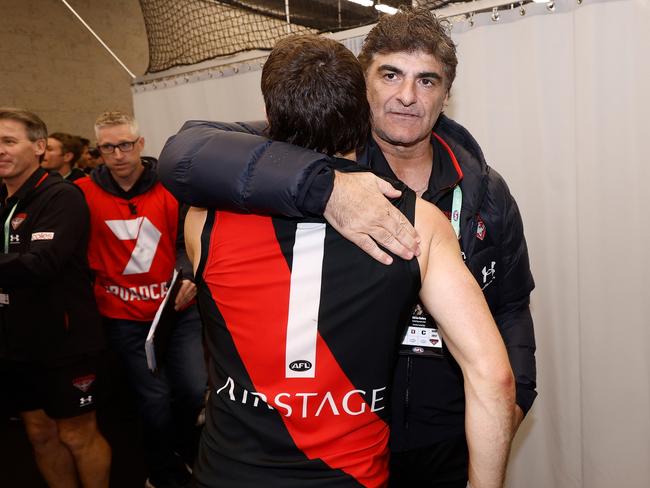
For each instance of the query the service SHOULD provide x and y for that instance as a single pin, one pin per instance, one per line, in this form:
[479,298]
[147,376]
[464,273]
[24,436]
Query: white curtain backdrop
[162,111]
[560,103]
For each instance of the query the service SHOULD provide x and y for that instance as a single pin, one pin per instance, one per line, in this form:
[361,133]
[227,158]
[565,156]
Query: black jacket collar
[445,174]
[25,191]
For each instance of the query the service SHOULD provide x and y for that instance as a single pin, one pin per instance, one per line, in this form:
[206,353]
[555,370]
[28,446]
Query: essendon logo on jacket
[83,383]
[17,220]
[480,228]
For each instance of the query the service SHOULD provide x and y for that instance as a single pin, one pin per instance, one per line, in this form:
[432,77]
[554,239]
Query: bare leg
[91,452]
[53,458]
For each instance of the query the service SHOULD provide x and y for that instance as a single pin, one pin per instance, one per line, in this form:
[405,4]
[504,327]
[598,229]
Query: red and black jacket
[135,243]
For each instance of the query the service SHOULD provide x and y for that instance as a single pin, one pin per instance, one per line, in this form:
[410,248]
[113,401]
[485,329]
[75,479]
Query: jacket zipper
[409,370]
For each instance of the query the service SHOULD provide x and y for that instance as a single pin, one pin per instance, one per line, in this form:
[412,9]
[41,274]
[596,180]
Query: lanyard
[455,210]
[11,214]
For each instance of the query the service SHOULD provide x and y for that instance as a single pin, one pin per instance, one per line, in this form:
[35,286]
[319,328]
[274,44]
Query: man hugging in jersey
[302,326]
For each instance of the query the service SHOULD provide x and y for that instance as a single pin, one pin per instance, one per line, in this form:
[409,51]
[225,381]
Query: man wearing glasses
[133,251]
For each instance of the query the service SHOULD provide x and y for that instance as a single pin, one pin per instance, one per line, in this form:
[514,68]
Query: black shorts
[63,391]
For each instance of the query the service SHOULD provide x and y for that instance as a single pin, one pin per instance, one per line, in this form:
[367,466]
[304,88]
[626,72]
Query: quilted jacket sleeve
[234,167]
[512,313]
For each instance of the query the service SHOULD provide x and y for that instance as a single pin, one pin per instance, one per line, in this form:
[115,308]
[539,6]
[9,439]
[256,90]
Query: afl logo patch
[301,365]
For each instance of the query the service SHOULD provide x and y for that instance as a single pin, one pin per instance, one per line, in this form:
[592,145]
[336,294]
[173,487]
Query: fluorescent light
[365,3]
[540,1]
[387,9]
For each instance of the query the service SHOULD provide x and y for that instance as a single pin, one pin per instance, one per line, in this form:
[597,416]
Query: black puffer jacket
[51,314]
[212,164]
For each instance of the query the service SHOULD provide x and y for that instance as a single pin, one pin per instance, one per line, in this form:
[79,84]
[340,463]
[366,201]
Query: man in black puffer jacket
[410,65]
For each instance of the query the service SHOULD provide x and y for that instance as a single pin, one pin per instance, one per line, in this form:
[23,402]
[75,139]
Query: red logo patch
[83,382]
[480,228]
[17,220]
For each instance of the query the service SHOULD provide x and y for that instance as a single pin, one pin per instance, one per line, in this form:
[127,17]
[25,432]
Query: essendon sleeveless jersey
[132,249]
[302,328]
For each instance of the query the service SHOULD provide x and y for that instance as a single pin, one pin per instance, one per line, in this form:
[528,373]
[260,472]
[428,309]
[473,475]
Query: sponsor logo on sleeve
[42,236]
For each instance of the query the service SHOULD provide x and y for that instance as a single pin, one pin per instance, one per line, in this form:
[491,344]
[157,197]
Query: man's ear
[39,146]
[67,157]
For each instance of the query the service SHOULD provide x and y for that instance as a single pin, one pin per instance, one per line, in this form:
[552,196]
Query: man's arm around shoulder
[232,167]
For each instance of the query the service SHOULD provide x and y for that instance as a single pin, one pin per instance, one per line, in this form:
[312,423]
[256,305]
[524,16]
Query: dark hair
[69,144]
[410,30]
[315,95]
[34,126]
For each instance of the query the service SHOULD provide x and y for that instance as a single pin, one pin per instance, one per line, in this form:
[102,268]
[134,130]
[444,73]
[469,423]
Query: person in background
[135,244]
[90,157]
[61,154]
[51,342]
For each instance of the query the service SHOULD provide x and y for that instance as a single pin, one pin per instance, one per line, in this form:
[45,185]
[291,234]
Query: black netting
[183,32]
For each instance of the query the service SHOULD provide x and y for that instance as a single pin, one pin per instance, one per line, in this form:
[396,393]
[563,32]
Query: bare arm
[194,222]
[452,296]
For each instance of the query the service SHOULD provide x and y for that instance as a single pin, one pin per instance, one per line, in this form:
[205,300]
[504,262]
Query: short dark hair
[34,126]
[69,144]
[410,30]
[315,95]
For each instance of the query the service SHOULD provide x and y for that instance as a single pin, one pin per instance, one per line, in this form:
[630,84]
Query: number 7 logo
[147,237]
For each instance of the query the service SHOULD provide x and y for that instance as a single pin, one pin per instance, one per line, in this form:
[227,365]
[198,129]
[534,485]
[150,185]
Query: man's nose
[406,94]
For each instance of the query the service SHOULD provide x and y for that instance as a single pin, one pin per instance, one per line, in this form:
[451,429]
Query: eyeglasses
[125,146]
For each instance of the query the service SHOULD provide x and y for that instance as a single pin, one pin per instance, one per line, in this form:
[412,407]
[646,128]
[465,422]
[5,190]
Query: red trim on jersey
[249,280]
